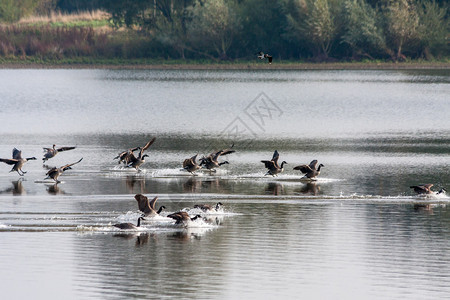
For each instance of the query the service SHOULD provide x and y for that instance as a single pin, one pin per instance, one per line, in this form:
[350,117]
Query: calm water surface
[358,232]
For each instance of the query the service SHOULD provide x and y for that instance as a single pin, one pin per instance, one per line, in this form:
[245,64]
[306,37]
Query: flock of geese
[148,209]
[191,165]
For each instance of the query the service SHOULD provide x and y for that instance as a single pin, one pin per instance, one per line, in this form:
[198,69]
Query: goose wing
[423,187]
[153,202]
[148,144]
[69,165]
[9,161]
[275,157]
[269,164]
[65,149]
[51,171]
[313,164]
[179,216]
[143,204]
[16,154]
[303,168]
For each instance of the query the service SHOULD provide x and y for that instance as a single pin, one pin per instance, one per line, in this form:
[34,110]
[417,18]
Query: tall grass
[47,42]
[95,18]
[55,16]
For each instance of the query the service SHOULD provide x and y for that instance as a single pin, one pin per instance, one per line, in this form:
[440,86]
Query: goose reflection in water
[310,188]
[54,189]
[192,185]
[133,181]
[142,238]
[274,188]
[17,189]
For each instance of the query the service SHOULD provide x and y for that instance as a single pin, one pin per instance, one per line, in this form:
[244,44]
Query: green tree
[361,30]
[433,28]
[13,10]
[213,26]
[314,23]
[401,25]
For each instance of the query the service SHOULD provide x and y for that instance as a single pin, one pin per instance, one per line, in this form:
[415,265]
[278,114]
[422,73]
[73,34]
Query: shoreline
[235,66]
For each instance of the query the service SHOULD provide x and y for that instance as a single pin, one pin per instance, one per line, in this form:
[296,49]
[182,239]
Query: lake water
[358,232]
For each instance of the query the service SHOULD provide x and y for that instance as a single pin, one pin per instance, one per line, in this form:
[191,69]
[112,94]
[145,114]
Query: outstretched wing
[148,144]
[268,163]
[69,165]
[153,202]
[8,161]
[52,170]
[16,154]
[143,203]
[313,164]
[65,149]
[275,157]
[189,162]
[303,168]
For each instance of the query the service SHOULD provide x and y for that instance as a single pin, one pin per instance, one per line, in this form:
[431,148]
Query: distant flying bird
[17,161]
[425,189]
[262,56]
[51,152]
[273,166]
[310,170]
[54,172]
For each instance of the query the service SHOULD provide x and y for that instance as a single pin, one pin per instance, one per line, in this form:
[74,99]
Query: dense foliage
[319,30]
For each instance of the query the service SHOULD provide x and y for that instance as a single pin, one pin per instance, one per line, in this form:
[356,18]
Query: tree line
[315,30]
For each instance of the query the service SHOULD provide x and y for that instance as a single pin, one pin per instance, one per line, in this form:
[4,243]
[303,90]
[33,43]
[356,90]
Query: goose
[272,165]
[136,162]
[425,189]
[17,161]
[51,152]
[129,225]
[310,170]
[190,164]
[183,217]
[262,56]
[125,156]
[207,207]
[54,172]
[148,207]
[212,161]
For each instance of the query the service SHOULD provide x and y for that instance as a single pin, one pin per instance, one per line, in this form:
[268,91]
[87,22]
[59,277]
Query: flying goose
[129,225]
[183,217]
[425,189]
[310,170]
[190,164]
[212,161]
[272,165]
[148,207]
[136,162]
[17,161]
[51,152]
[54,172]
[207,207]
[262,56]
[125,156]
